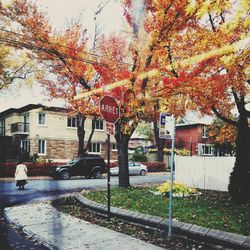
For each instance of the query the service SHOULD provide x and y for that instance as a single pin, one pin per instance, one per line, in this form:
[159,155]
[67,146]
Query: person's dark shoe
[19,188]
[22,187]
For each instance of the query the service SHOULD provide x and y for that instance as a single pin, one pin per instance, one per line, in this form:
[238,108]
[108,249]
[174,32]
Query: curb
[180,228]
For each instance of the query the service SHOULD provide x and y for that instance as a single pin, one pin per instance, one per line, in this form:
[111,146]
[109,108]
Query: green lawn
[211,209]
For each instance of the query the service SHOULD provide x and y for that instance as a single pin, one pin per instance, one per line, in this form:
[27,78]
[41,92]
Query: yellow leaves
[228,60]
[203,9]
[4,51]
[240,17]
[190,10]
[7,3]
[179,189]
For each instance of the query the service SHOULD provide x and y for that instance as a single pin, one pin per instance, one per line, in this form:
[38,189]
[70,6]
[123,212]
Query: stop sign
[109,109]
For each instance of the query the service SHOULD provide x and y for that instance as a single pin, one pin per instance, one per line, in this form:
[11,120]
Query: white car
[135,168]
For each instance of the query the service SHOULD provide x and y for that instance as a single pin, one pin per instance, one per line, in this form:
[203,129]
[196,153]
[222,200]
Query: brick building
[50,132]
[194,137]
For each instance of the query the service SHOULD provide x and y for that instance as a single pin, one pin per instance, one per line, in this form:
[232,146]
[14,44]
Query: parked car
[88,166]
[135,168]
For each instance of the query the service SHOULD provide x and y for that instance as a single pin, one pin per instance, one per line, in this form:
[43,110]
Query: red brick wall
[187,138]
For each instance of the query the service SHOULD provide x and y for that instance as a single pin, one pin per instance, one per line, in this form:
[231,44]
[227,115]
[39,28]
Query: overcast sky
[60,13]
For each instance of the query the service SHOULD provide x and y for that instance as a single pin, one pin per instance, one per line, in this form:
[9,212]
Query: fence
[204,172]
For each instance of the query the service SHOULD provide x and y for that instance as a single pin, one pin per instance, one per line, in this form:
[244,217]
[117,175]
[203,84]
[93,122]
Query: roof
[195,124]
[29,107]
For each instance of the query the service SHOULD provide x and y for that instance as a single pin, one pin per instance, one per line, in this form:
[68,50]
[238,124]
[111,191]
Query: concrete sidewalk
[57,230]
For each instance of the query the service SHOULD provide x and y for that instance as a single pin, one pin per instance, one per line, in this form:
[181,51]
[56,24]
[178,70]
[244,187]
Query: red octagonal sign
[109,109]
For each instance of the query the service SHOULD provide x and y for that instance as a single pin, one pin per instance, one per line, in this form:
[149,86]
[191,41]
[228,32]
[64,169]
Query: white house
[50,132]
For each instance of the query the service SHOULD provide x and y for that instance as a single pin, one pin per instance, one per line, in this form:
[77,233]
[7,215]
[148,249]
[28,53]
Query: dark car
[88,166]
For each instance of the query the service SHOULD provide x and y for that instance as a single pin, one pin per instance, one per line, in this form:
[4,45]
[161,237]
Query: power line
[19,44]
[9,41]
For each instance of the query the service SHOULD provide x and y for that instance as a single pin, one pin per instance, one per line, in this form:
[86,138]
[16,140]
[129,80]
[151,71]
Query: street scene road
[47,188]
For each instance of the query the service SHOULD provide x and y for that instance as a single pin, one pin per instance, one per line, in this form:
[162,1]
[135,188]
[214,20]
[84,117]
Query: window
[71,123]
[95,148]
[207,150]
[25,145]
[41,119]
[41,146]
[204,132]
[99,124]
[2,127]
[26,119]
[114,146]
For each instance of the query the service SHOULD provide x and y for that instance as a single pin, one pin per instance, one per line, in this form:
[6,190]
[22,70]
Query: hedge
[155,166]
[7,169]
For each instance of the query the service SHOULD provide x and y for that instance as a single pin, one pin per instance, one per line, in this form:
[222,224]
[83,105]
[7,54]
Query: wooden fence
[210,173]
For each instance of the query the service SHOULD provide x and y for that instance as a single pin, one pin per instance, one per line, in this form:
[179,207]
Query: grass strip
[210,209]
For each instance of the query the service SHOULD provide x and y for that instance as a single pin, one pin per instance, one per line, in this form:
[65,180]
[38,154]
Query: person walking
[21,176]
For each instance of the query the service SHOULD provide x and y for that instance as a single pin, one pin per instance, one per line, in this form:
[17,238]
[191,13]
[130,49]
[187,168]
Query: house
[194,137]
[50,132]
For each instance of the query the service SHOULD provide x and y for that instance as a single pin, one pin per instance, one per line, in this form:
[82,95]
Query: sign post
[167,131]
[110,112]
[171,182]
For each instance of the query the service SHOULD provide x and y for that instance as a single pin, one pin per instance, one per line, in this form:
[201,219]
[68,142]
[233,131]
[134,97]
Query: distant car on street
[88,166]
[135,168]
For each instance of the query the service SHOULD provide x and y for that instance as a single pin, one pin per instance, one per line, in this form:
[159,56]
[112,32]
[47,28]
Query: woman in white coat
[21,175]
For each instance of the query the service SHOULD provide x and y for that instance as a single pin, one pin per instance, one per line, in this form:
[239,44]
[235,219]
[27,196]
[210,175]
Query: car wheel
[65,175]
[143,172]
[97,174]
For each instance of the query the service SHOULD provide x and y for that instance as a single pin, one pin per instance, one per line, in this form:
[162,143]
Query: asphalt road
[42,189]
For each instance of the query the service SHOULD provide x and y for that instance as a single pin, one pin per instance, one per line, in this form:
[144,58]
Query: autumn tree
[64,55]
[224,136]
[212,75]
[114,67]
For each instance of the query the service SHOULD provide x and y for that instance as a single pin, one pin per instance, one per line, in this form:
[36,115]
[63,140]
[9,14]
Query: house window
[25,145]
[207,150]
[41,147]
[26,119]
[205,132]
[71,123]
[114,147]
[2,127]
[41,119]
[99,124]
[95,148]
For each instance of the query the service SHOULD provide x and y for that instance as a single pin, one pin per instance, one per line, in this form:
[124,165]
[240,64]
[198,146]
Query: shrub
[179,190]
[167,151]
[7,169]
[155,166]
[139,155]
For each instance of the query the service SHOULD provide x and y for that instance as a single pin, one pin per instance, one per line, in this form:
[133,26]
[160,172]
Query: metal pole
[171,183]
[108,153]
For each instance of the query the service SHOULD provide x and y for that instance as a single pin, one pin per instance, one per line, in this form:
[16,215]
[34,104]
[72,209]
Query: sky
[60,13]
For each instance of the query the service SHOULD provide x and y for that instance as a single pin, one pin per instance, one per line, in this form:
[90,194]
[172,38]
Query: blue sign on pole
[162,119]
[167,131]
[166,126]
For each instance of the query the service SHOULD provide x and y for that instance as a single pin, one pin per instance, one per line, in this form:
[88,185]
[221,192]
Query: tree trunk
[122,146]
[239,185]
[81,134]
[160,143]
[90,135]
